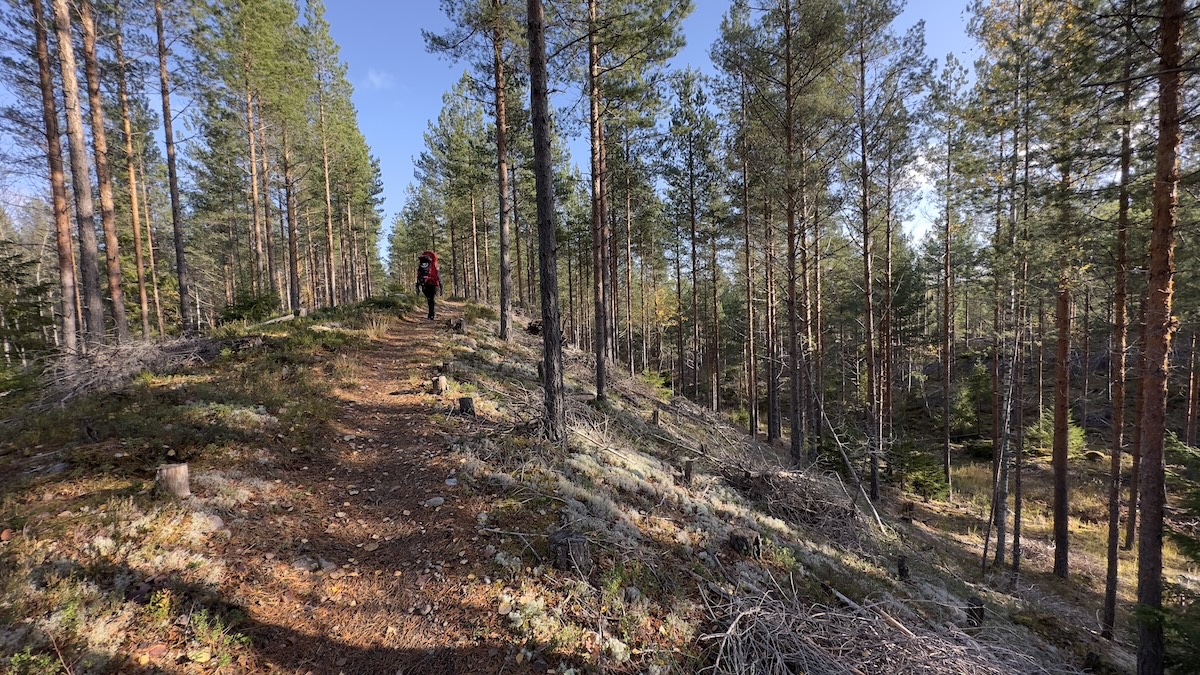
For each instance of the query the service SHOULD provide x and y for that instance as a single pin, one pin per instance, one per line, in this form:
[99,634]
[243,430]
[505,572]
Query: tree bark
[58,186]
[539,106]
[135,214]
[1062,412]
[330,269]
[186,312]
[81,182]
[1117,356]
[108,218]
[599,215]
[500,84]
[1160,326]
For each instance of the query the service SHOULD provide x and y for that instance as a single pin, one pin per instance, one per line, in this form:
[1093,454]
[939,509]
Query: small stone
[451,482]
[340,514]
[435,502]
[306,564]
[505,608]
[7,535]
[425,609]
[157,650]
[353,492]
[326,566]
[348,437]
[406,512]
[371,547]
[200,656]
[632,594]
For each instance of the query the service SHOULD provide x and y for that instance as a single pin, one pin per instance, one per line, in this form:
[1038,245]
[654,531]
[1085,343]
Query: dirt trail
[411,593]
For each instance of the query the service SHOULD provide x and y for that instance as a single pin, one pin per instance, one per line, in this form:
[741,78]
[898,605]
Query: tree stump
[906,512]
[440,385]
[902,568]
[459,325]
[688,465]
[466,406]
[975,611]
[173,478]
[571,551]
[654,417]
[746,542]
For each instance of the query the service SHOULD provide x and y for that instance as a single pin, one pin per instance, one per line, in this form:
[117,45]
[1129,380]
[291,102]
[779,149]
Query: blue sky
[398,86]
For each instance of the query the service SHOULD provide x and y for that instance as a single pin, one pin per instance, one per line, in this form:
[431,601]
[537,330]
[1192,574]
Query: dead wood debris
[774,632]
[111,366]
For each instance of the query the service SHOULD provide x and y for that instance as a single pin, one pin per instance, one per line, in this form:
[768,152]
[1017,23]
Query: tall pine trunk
[134,206]
[58,187]
[1117,356]
[547,245]
[1062,413]
[1159,328]
[81,181]
[186,312]
[500,84]
[599,216]
[108,217]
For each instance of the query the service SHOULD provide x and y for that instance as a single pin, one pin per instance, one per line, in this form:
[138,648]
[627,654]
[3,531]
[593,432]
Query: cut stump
[440,385]
[466,406]
[571,551]
[173,479]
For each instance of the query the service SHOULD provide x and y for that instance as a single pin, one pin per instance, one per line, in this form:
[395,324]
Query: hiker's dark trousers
[430,293]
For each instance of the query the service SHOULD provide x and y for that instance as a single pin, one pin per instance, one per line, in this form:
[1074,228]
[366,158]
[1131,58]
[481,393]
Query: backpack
[427,269]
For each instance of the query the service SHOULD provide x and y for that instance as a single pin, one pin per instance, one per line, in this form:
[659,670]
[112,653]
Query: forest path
[410,593]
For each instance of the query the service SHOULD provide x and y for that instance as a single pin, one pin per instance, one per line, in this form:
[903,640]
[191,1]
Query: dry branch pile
[773,632]
[109,367]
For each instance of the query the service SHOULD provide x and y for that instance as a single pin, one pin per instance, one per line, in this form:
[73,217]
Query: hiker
[428,281]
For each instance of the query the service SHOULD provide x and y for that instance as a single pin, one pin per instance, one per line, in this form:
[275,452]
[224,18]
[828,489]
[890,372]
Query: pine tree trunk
[81,182]
[135,214]
[716,331]
[751,353]
[1159,328]
[330,270]
[1193,392]
[547,243]
[774,413]
[58,187]
[1135,454]
[158,308]
[947,324]
[1117,356]
[293,227]
[108,218]
[500,83]
[1062,412]
[186,312]
[599,216]
[474,250]
[256,233]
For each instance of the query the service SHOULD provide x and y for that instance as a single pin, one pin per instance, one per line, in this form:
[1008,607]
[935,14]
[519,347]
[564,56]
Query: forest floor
[346,519]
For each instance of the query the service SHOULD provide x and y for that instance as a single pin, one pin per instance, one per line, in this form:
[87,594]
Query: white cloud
[380,79]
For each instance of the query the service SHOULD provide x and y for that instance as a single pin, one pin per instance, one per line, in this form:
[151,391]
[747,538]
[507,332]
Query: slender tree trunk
[547,244]
[256,233]
[158,308]
[599,216]
[1117,355]
[58,187]
[1135,454]
[1062,413]
[268,243]
[716,331]
[1159,328]
[774,414]
[330,271]
[289,191]
[135,214]
[108,218]
[502,180]
[81,182]
[475,285]
[751,352]
[1193,392]
[187,316]
[947,321]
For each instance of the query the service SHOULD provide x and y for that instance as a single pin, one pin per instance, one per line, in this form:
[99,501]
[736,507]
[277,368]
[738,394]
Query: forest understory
[344,518]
